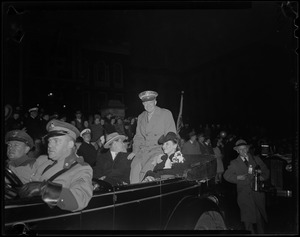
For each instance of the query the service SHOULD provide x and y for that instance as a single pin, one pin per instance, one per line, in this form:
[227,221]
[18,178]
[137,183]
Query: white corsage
[178,157]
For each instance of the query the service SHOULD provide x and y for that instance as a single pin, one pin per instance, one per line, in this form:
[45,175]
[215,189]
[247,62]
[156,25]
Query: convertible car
[186,201]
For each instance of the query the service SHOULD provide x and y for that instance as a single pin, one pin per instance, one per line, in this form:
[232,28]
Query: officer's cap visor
[55,133]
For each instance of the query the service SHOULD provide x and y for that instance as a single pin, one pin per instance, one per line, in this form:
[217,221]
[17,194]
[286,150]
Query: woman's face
[169,147]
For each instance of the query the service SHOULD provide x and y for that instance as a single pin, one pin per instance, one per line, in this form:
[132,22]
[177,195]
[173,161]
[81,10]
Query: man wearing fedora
[19,143]
[241,172]
[151,125]
[113,165]
[61,178]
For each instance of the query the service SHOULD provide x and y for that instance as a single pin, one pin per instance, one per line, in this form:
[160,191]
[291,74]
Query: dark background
[235,61]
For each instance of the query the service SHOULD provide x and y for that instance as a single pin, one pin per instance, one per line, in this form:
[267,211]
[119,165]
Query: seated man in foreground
[62,179]
[113,166]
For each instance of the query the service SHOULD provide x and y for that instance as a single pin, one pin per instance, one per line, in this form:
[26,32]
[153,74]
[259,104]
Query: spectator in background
[97,130]
[204,148]
[219,156]
[109,124]
[119,126]
[151,125]
[86,149]
[133,124]
[33,124]
[191,147]
[15,122]
[79,120]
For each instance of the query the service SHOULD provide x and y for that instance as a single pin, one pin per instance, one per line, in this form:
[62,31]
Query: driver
[62,179]
[19,143]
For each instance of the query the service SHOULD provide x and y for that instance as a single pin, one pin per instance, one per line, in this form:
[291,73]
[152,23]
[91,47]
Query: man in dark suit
[113,166]
[87,150]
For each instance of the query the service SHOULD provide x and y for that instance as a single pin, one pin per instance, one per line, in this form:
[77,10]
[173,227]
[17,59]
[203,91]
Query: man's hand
[242,177]
[102,178]
[31,189]
[130,156]
[148,179]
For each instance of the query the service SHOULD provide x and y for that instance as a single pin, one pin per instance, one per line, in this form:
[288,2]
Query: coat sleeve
[77,195]
[230,175]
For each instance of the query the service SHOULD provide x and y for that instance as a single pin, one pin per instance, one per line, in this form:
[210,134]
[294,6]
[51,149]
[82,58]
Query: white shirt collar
[113,154]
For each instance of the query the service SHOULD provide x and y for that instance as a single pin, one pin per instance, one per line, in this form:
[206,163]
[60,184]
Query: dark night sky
[181,39]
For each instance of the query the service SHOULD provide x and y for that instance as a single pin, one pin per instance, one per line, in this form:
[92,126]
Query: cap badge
[15,134]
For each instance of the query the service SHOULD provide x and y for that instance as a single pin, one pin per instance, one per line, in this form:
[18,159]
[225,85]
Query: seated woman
[166,165]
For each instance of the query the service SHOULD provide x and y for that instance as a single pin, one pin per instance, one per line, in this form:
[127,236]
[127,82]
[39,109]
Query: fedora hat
[112,137]
[240,143]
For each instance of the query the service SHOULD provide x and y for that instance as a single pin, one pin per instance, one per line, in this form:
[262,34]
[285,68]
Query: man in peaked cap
[151,125]
[19,144]
[61,178]
[86,149]
[250,202]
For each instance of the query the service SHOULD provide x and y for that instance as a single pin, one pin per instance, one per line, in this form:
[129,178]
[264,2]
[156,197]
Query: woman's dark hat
[171,136]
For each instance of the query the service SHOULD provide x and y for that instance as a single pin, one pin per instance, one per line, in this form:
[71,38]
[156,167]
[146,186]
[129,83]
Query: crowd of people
[57,158]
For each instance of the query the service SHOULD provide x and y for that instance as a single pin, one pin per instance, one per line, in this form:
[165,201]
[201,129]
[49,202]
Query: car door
[38,216]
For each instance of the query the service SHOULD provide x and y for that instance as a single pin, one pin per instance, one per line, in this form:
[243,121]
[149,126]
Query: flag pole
[179,119]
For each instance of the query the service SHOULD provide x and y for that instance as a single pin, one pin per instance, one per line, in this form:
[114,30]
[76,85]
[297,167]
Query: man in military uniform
[61,178]
[19,144]
[151,125]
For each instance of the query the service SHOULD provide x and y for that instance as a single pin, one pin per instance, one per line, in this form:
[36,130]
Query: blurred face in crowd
[169,147]
[86,124]
[193,138]
[60,147]
[16,149]
[78,115]
[102,122]
[149,105]
[118,146]
[46,117]
[87,137]
[34,113]
[97,121]
[16,116]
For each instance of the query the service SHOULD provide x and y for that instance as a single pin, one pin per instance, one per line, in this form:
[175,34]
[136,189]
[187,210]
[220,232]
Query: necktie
[246,162]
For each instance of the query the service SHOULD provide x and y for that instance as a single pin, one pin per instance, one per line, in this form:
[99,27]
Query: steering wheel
[12,183]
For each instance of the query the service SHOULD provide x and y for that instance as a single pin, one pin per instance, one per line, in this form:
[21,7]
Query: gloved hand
[51,193]
[32,189]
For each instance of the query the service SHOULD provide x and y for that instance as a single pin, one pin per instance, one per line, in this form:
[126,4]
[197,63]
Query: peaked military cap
[19,135]
[148,95]
[60,128]
[85,131]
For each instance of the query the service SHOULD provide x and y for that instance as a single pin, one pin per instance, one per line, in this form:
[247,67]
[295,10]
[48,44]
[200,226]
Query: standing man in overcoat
[250,202]
[151,125]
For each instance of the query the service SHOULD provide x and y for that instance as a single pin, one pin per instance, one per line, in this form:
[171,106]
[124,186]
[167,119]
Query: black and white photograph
[150,117]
